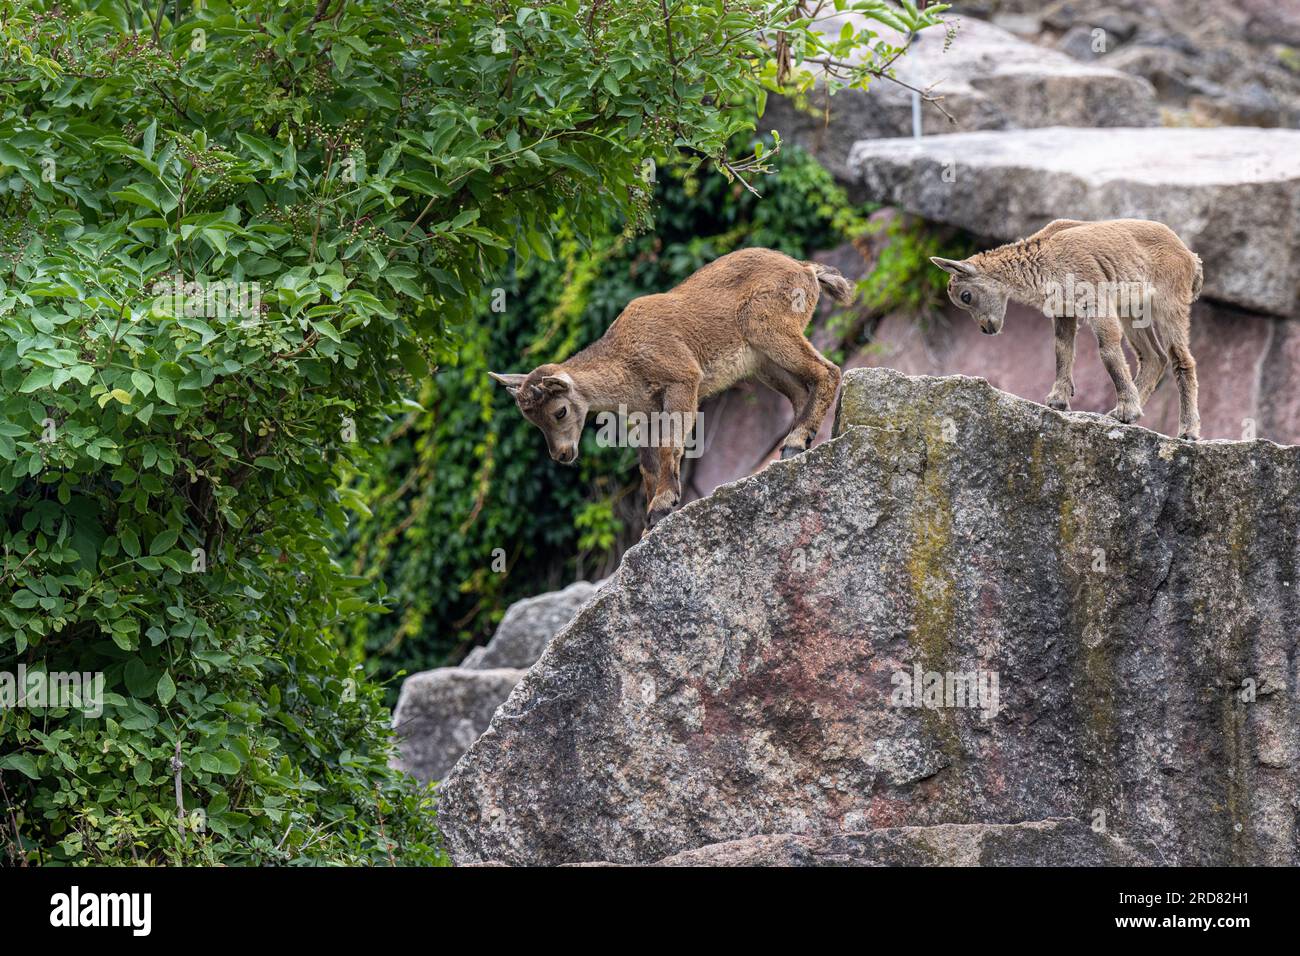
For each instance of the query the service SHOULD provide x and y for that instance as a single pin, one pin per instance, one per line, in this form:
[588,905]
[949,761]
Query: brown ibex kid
[741,316]
[1133,279]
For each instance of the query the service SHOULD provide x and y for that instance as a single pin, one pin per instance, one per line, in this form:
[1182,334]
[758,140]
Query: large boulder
[966,608]
[988,78]
[529,626]
[441,712]
[1232,194]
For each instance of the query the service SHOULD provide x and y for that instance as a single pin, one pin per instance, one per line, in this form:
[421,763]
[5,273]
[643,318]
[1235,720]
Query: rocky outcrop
[529,626]
[1210,62]
[965,609]
[441,712]
[1041,843]
[988,78]
[1233,195]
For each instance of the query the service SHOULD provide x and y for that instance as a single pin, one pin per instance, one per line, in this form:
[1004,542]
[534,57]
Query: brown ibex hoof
[790,451]
[657,515]
[1060,404]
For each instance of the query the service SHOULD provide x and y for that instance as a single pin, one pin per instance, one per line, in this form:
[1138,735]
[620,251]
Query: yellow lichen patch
[1085,567]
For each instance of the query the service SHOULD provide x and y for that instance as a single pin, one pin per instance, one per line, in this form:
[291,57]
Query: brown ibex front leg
[677,419]
[648,458]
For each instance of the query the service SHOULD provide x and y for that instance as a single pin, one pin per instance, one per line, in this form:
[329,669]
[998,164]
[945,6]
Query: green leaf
[36,379]
[22,763]
[162,543]
[142,382]
[166,688]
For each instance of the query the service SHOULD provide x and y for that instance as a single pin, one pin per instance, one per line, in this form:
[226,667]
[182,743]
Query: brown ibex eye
[965,297]
[561,413]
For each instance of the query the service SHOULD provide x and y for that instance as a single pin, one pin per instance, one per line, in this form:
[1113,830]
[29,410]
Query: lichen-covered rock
[988,78]
[965,609]
[441,712]
[1040,843]
[1233,195]
[529,626]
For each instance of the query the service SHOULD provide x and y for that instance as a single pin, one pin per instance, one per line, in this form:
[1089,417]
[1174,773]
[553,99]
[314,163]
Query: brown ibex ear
[954,267]
[556,384]
[511,380]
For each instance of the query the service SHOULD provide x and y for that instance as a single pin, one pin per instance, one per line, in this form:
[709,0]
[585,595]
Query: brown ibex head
[984,297]
[547,397]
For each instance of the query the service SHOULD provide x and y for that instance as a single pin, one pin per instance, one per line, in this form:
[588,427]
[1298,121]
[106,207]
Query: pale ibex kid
[741,316]
[1131,278]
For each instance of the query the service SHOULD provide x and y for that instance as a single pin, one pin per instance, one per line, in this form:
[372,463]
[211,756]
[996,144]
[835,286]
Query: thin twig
[16,850]
[177,766]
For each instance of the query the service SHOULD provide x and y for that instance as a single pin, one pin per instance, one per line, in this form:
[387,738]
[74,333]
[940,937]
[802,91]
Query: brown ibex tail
[1197,279]
[837,287]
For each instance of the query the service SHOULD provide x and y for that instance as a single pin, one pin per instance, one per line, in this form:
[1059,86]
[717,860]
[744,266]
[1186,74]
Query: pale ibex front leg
[1066,327]
[1110,335]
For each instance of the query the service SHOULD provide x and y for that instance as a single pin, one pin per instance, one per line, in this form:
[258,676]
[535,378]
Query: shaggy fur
[1076,258]
[740,317]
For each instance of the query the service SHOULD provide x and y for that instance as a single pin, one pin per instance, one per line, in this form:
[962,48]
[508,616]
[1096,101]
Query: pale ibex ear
[556,384]
[963,268]
[511,380]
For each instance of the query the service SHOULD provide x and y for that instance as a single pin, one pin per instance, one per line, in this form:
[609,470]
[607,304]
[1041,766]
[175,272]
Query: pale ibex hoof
[1126,414]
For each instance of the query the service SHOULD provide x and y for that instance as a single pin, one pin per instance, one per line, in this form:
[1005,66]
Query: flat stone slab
[1039,843]
[1232,194]
[989,79]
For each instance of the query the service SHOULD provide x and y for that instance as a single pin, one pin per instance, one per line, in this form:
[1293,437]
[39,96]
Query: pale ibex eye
[561,413]
[965,297]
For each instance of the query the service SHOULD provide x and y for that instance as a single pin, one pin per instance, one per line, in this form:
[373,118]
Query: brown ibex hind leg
[793,388]
[809,374]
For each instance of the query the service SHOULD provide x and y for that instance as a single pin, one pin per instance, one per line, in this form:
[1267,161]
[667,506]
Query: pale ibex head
[984,297]
[547,397]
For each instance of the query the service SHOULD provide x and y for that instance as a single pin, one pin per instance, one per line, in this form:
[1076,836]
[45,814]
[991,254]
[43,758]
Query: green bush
[171,476]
